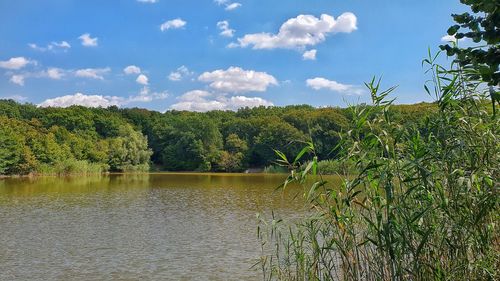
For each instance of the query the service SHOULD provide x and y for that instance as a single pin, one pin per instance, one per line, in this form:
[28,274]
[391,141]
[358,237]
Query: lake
[137,227]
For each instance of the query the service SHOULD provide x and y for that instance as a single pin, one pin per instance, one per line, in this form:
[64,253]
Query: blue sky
[202,55]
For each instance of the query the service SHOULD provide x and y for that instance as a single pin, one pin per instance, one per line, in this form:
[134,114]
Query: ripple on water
[141,227]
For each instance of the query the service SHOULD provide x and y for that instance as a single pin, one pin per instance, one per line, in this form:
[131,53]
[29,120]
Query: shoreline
[142,173]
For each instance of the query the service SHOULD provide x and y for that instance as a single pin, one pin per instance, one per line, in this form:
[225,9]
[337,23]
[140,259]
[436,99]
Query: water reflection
[136,227]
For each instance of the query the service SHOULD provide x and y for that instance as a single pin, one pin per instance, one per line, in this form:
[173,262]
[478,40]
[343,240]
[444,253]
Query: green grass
[70,167]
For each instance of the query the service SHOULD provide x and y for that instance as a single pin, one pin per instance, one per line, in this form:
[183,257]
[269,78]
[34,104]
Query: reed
[421,203]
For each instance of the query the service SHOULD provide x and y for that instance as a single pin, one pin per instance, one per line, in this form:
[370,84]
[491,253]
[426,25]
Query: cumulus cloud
[132,69]
[82,99]
[16,63]
[51,73]
[142,79]
[180,73]
[301,31]
[93,73]
[148,1]
[224,29]
[88,41]
[238,80]
[145,95]
[17,79]
[53,46]
[173,24]
[237,102]
[232,6]
[309,55]
[18,98]
[320,83]
[201,101]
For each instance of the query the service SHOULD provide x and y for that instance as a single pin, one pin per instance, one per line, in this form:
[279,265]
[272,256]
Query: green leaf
[453,29]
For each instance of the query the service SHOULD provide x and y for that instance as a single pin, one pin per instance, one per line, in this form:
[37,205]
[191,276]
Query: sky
[203,55]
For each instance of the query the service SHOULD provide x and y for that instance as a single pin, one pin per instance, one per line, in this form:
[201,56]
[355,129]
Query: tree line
[78,139]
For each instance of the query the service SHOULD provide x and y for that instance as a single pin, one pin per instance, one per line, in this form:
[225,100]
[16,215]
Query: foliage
[36,140]
[422,204]
[482,61]
[10,149]
[67,141]
[129,152]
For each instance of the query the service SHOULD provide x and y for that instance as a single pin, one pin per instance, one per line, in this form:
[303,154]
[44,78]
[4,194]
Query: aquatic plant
[422,203]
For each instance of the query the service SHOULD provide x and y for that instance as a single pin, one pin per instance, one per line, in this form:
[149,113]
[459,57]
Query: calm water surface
[137,227]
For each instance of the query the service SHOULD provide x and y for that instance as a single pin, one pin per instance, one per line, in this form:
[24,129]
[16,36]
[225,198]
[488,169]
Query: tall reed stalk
[422,204]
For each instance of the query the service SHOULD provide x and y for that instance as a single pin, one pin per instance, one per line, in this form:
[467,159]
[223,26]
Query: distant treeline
[78,139]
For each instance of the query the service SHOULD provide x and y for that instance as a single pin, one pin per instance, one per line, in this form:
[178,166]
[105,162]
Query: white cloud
[237,80]
[199,100]
[232,6]
[53,46]
[62,44]
[58,74]
[309,55]
[82,99]
[132,69]
[145,95]
[301,31]
[319,83]
[18,98]
[451,38]
[237,102]
[174,76]
[172,24]
[224,28]
[179,74]
[36,47]
[16,63]
[102,101]
[148,1]
[142,79]
[93,73]
[17,79]
[228,5]
[221,2]
[88,41]
[54,73]
[51,73]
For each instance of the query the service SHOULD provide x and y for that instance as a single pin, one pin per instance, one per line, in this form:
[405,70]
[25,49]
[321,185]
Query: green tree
[234,144]
[129,151]
[232,158]
[275,134]
[481,62]
[481,26]
[11,148]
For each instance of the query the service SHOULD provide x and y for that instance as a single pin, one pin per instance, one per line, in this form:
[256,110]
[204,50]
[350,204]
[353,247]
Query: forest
[36,140]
